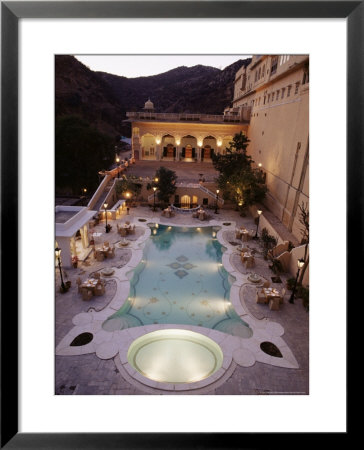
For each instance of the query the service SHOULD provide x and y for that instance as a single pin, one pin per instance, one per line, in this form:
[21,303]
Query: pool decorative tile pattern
[115,342]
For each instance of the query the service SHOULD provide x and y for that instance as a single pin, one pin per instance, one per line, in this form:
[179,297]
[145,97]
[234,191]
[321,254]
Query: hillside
[102,99]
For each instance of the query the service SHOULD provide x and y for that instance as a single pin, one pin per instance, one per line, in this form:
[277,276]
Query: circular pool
[175,356]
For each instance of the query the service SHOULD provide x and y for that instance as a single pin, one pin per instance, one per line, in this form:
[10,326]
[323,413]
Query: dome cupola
[148,105]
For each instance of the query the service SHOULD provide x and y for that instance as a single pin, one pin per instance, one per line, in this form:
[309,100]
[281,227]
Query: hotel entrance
[185,202]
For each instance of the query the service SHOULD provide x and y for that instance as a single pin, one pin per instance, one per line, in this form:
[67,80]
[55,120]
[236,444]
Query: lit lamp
[260,165]
[117,162]
[106,227]
[300,264]
[154,189]
[217,199]
[256,232]
[84,190]
[58,256]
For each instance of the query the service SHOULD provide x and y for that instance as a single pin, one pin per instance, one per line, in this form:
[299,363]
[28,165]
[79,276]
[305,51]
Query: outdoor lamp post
[106,227]
[256,232]
[117,162]
[217,199]
[154,189]
[58,256]
[300,264]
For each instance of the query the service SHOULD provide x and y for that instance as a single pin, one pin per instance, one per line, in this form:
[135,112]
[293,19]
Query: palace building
[276,87]
[270,105]
[183,137]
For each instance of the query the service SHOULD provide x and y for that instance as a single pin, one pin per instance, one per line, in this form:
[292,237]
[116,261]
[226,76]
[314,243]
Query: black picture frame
[11,13]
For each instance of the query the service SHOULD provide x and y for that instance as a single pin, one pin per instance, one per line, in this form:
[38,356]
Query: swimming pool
[180,280]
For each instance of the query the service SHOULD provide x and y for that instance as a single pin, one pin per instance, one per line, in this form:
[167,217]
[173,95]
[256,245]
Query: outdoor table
[103,249]
[245,256]
[90,284]
[271,293]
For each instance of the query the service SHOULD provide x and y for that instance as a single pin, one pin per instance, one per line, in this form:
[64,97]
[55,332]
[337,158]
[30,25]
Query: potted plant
[75,261]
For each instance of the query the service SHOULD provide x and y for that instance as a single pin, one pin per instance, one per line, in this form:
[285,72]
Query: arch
[168,146]
[185,201]
[148,146]
[189,146]
[225,143]
[209,147]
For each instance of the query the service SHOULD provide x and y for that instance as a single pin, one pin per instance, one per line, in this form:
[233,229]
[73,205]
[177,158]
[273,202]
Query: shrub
[303,292]
[276,266]
[268,241]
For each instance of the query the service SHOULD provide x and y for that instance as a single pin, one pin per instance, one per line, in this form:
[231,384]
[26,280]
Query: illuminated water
[180,281]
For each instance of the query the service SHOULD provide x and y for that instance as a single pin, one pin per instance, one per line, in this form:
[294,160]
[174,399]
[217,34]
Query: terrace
[246,369]
[243,117]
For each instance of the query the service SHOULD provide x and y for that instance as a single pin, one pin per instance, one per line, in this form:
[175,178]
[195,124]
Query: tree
[238,180]
[166,184]
[305,232]
[81,152]
[125,184]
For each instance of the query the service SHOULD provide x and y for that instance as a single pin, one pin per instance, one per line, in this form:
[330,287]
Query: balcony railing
[184,117]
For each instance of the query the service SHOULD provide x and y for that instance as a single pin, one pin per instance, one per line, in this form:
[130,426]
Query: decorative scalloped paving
[244,352]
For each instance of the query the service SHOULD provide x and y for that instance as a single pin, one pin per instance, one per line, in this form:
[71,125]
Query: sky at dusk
[132,66]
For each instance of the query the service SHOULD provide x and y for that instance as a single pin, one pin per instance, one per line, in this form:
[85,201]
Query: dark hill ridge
[103,99]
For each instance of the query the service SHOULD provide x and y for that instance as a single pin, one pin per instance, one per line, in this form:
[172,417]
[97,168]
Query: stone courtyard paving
[89,375]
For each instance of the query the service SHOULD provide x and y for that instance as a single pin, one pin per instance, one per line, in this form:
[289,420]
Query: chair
[122,231]
[106,243]
[86,294]
[96,275]
[245,237]
[127,222]
[266,284]
[99,289]
[260,297]
[274,303]
[99,256]
[251,234]
[283,293]
[250,262]
[79,282]
[110,253]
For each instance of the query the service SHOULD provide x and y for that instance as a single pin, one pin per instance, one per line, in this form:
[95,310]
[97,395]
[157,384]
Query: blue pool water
[180,280]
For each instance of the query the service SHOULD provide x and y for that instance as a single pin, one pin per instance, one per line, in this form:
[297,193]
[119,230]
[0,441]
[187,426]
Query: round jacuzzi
[175,356]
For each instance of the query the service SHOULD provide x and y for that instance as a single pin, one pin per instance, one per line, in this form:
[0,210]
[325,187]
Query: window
[278,95]
[268,97]
[259,73]
[264,99]
[274,65]
[283,89]
[273,97]
[263,71]
[305,78]
[297,86]
[256,76]
[289,90]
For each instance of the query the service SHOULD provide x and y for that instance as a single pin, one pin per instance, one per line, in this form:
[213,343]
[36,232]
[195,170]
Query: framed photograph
[54,410]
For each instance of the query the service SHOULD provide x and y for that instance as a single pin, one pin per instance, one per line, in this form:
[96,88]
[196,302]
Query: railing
[184,210]
[185,117]
[99,191]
